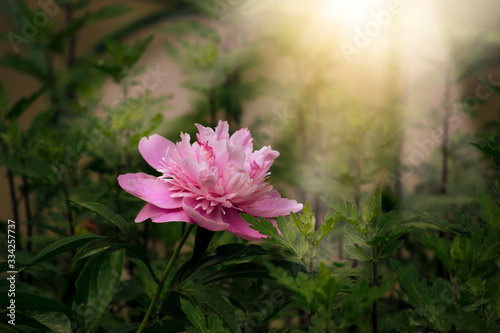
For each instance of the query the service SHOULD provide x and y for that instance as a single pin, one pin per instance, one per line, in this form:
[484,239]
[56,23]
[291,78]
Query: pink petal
[273,206]
[173,215]
[149,211]
[149,188]
[212,221]
[222,130]
[154,149]
[242,137]
[205,134]
[237,182]
[157,214]
[240,227]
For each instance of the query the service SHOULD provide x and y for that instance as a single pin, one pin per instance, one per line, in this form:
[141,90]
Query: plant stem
[12,191]
[163,278]
[444,146]
[444,171]
[27,207]
[69,215]
[311,257]
[374,284]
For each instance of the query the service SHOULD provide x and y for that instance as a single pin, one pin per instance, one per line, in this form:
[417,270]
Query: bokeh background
[352,93]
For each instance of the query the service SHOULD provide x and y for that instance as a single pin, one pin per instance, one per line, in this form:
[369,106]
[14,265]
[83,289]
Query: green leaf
[491,148]
[108,12]
[4,101]
[244,270]
[23,65]
[212,299]
[390,249]
[327,225]
[23,104]
[289,239]
[56,321]
[348,211]
[59,40]
[102,244]
[96,287]
[354,235]
[195,316]
[372,206]
[222,254]
[58,247]
[357,253]
[126,227]
[23,320]
[35,302]
[305,222]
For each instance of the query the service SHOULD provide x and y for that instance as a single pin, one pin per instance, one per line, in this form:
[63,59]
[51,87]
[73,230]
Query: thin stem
[71,57]
[12,191]
[69,215]
[12,188]
[374,284]
[447,96]
[444,146]
[163,278]
[311,258]
[27,206]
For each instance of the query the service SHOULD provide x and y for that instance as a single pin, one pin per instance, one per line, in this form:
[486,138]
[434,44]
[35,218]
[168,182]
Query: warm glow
[348,11]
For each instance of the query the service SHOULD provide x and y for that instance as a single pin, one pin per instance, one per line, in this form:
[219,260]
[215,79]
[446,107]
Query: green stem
[163,278]
[311,258]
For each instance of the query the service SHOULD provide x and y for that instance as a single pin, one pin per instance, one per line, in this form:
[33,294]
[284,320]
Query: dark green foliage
[83,265]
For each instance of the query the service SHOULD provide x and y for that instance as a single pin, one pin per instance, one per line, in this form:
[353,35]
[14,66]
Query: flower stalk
[164,276]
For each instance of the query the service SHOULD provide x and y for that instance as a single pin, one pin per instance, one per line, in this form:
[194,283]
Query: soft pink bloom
[210,182]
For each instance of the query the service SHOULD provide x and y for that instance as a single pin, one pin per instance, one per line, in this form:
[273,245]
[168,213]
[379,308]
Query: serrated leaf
[195,316]
[211,299]
[354,235]
[390,249]
[289,239]
[372,206]
[357,253]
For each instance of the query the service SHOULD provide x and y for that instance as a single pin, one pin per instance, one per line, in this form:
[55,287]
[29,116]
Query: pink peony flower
[210,182]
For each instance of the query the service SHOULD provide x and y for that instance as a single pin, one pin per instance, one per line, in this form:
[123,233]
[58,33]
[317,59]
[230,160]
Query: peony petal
[149,188]
[242,137]
[222,130]
[149,211]
[240,227]
[212,221]
[272,206]
[154,149]
[173,215]
[206,134]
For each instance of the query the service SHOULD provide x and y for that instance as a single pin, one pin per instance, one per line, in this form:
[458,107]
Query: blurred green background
[352,93]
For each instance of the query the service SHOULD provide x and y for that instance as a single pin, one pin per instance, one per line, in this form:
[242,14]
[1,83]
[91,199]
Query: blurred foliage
[350,264]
